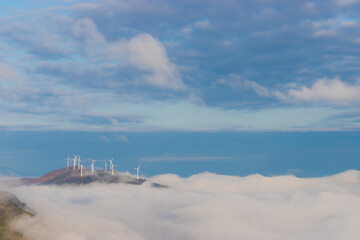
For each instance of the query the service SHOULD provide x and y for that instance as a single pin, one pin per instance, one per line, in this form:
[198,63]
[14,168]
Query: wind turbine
[93,166]
[111,163]
[111,166]
[68,160]
[81,170]
[79,162]
[112,169]
[74,160]
[106,165]
[137,172]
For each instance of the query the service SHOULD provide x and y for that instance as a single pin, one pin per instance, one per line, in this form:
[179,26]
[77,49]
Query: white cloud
[263,91]
[148,54]
[331,26]
[323,91]
[196,100]
[143,51]
[204,206]
[122,138]
[333,91]
[205,24]
[324,33]
[347,2]
[186,30]
[86,28]
[104,139]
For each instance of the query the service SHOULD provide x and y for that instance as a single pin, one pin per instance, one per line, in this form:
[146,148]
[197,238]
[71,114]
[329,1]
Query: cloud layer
[225,56]
[204,206]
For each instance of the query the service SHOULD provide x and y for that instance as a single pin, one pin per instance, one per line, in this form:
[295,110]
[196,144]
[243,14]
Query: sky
[151,82]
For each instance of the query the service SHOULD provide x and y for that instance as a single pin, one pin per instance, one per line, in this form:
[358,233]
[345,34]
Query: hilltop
[69,175]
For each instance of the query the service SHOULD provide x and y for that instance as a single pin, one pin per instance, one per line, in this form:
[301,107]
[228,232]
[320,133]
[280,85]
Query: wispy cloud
[187,158]
[322,91]
[238,82]
[104,139]
[86,29]
[122,138]
[8,73]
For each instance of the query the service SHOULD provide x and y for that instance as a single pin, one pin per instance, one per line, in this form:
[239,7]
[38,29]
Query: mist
[203,206]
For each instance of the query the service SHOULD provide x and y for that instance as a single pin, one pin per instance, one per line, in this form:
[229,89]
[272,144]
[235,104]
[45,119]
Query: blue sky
[305,154]
[184,67]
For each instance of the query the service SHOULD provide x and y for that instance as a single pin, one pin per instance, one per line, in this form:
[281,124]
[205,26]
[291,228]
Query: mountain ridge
[71,176]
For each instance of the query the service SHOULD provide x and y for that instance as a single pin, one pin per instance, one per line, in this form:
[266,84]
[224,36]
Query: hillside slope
[10,208]
[69,175]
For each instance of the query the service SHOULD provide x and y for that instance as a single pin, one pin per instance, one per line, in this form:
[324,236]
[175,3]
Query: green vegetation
[10,207]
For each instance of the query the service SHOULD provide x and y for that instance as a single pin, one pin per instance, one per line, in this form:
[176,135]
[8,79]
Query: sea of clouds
[203,206]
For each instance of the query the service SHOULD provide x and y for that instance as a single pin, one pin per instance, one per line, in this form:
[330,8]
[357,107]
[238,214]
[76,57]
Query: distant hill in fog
[9,172]
[69,175]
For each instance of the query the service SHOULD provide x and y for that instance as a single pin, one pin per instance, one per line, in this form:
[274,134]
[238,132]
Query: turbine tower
[79,162]
[93,166]
[81,170]
[137,172]
[68,160]
[112,166]
[112,169]
[106,165]
[74,161]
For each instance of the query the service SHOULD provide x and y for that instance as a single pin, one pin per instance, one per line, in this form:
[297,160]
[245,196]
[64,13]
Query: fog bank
[203,206]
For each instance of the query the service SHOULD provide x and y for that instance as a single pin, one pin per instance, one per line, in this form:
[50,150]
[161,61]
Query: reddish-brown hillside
[47,177]
[72,176]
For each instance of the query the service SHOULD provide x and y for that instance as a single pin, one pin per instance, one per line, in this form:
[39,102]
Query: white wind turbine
[112,169]
[137,172]
[111,166]
[93,166]
[68,160]
[81,170]
[79,162]
[106,165]
[74,161]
